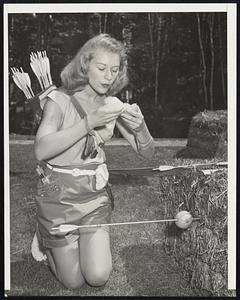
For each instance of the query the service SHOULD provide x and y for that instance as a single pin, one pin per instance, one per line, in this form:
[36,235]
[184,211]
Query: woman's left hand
[132,117]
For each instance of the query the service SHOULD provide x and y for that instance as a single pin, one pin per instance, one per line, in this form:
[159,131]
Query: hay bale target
[200,250]
[207,137]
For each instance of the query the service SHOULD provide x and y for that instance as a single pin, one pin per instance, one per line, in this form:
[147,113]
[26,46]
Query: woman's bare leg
[95,255]
[65,264]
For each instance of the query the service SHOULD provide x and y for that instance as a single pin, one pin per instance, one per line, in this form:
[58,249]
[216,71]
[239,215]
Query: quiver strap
[90,147]
[37,102]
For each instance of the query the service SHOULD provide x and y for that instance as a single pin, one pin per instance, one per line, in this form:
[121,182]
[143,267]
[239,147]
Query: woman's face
[103,70]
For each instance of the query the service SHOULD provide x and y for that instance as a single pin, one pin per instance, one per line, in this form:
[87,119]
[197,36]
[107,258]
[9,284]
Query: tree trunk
[150,28]
[100,22]
[90,27]
[46,32]
[105,22]
[39,31]
[127,37]
[211,26]
[164,48]
[50,22]
[159,25]
[204,69]
[11,33]
[221,59]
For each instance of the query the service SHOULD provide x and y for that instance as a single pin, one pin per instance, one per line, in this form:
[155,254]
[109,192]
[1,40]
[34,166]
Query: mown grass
[140,265]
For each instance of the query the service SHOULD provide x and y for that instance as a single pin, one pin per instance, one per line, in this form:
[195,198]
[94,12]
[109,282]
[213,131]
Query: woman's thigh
[95,255]
[65,264]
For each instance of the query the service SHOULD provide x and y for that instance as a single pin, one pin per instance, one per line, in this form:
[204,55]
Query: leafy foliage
[165,61]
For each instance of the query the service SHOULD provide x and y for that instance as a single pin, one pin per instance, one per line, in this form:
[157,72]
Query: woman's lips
[106,86]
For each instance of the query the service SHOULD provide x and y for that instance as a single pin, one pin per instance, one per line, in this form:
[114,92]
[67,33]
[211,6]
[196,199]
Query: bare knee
[98,276]
[71,282]
[72,285]
[65,264]
[71,279]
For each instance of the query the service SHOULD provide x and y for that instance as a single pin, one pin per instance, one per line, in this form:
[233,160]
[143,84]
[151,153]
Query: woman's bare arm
[49,141]
[140,140]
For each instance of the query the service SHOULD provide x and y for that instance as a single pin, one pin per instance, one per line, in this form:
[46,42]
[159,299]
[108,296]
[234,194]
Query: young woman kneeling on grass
[78,119]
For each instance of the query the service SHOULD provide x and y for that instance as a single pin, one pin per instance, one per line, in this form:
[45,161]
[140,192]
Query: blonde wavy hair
[74,76]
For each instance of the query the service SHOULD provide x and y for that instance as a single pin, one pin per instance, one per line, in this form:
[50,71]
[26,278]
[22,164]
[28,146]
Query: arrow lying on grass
[207,169]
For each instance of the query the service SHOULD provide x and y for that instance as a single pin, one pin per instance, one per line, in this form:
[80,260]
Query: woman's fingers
[131,124]
[132,116]
[128,118]
[137,118]
[110,110]
[131,112]
[131,121]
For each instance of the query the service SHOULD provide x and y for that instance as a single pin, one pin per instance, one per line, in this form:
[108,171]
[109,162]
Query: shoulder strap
[89,149]
[78,107]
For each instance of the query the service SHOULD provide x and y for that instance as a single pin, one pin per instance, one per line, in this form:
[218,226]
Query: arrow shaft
[61,229]
[165,170]
[127,223]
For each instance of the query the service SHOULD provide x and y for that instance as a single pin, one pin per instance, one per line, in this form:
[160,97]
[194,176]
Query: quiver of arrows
[40,65]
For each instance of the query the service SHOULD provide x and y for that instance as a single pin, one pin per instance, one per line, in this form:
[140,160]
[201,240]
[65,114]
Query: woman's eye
[101,69]
[115,71]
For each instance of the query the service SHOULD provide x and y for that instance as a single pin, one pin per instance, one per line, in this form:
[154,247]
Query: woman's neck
[93,95]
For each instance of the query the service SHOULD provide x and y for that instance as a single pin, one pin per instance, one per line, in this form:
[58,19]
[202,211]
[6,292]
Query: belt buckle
[76,172]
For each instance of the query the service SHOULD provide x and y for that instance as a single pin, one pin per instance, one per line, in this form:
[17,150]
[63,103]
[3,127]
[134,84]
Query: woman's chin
[103,91]
[100,91]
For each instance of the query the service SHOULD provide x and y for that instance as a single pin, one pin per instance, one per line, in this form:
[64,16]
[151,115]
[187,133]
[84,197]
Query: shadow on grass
[171,230]
[121,179]
[150,272]
[16,174]
[30,278]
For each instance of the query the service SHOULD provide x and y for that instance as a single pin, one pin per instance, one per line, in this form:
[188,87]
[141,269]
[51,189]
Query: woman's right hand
[103,115]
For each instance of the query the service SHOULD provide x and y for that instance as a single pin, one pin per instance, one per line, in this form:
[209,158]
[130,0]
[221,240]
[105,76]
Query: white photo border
[230,8]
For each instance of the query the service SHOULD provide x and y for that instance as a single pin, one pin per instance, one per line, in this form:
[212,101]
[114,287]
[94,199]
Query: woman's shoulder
[59,94]
[59,97]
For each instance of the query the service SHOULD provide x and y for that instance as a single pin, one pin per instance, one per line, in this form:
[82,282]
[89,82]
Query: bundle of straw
[207,136]
[200,251]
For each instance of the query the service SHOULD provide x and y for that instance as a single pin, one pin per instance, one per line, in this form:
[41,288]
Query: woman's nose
[108,75]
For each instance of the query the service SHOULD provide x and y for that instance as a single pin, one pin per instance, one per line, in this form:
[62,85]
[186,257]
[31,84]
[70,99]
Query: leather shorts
[67,199]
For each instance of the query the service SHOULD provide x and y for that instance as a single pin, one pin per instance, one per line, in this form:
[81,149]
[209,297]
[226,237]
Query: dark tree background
[177,61]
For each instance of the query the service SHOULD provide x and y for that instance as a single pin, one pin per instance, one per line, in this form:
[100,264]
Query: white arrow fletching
[23,79]
[28,80]
[48,70]
[66,228]
[36,72]
[165,168]
[47,66]
[210,171]
[20,86]
[222,163]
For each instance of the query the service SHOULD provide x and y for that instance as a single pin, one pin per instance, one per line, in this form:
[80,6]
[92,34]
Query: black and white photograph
[119,143]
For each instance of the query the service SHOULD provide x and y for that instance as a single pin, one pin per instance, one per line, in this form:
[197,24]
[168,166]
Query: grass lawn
[140,265]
